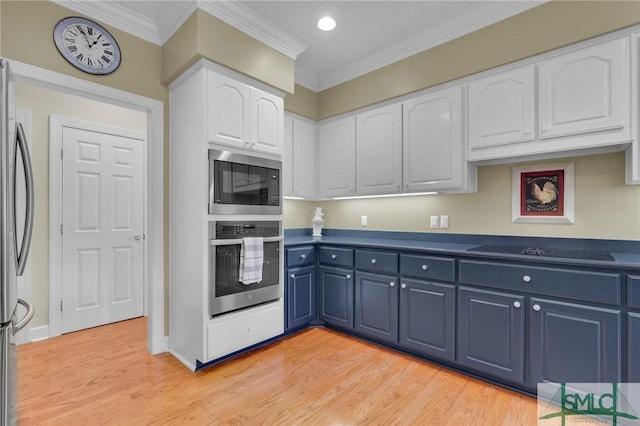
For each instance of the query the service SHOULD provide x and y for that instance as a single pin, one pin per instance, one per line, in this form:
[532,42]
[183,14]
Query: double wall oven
[244,202]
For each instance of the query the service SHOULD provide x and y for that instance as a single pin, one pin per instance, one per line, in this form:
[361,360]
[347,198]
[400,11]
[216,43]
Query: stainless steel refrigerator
[14,243]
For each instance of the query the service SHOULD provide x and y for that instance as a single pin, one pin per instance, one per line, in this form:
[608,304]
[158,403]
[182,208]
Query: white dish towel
[251,259]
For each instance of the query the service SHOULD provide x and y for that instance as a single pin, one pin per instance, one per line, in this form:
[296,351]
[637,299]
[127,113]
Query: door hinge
[61,305]
[61,154]
[61,229]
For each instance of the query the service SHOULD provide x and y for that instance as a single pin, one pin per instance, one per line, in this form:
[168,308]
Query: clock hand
[96,41]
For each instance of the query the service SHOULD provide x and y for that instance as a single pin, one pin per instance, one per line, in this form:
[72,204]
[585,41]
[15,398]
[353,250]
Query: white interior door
[102,219]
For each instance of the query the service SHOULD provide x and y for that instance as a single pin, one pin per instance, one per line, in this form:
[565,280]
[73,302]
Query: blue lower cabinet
[491,333]
[428,318]
[633,361]
[301,300]
[573,343]
[335,296]
[376,306]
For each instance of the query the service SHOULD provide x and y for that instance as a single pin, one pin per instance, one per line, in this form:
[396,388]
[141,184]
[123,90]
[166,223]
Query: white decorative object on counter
[317,222]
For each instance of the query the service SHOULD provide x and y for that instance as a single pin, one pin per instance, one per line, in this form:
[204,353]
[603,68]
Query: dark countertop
[626,254]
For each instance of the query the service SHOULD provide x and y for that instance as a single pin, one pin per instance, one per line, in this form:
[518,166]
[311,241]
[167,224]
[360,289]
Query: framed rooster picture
[543,193]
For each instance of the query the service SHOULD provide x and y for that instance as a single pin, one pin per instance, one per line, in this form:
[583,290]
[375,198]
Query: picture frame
[543,193]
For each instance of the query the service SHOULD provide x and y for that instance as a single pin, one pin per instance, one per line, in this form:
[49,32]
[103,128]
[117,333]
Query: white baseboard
[38,333]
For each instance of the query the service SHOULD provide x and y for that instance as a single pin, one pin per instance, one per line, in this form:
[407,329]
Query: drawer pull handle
[424,267]
[403,285]
[536,308]
[516,304]
[348,277]
[292,275]
[373,261]
[303,256]
[334,256]
[392,284]
[526,279]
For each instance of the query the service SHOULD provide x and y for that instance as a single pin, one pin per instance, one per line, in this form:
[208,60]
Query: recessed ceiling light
[327,23]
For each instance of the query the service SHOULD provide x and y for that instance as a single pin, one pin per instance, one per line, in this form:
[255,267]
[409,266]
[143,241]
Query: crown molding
[419,43]
[252,24]
[306,78]
[172,19]
[117,16]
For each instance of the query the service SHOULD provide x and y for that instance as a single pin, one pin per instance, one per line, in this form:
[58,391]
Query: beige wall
[303,102]
[604,207]
[42,103]
[205,36]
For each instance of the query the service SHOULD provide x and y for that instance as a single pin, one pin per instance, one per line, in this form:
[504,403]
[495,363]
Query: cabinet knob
[334,256]
[303,256]
[392,284]
[526,278]
[403,285]
[373,261]
[536,308]
[516,304]
[292,275]
[424,267]
[348,277]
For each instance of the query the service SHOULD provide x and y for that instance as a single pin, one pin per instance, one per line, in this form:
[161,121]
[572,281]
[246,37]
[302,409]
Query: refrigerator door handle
[21,256]
[27,317]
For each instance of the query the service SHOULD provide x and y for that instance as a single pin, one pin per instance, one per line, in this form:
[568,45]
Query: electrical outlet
[434,221]
[363,221]
[444,221]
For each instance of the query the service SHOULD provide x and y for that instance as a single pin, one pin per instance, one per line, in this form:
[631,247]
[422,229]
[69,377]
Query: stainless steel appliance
[243,184]
[226,292]
[13,255]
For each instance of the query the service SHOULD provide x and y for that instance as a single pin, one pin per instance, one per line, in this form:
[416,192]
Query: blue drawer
[633,291]
[377,261]
[336,256]
[301,256]
[596,287]
[428,267]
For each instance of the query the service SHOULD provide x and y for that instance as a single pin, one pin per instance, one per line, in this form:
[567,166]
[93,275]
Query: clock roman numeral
[90,30]
[89,61]
[80,57]
[105,59]
[72,49]
[108,52]
[70,40]
[80,29]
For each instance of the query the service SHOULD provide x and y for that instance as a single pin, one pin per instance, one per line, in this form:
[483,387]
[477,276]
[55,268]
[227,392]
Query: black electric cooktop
[547,252]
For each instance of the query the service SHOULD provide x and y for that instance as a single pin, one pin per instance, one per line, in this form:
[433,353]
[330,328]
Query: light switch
[363,221]
[434,221]
[444,221]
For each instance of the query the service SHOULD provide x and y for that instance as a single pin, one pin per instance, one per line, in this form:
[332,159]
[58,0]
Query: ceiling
[368,35]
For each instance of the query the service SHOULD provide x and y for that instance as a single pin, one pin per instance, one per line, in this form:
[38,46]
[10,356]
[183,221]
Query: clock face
[87,45]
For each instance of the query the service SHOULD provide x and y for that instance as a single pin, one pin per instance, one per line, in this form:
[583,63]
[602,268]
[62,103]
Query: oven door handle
[239,241]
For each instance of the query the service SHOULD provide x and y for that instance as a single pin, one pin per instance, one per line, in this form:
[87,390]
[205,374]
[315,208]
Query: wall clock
[87,45]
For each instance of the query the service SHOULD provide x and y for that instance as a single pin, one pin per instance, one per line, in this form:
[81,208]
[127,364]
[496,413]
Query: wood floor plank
[104,376]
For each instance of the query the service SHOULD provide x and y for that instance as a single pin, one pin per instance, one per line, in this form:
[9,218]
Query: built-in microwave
[243,184]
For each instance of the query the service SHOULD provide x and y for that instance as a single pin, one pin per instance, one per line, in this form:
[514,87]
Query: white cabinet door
[287,158]
[229,104]
[267,118]
[304,158]
[337,148]
[432,142]
[501,108]
[379,151]
[585,91]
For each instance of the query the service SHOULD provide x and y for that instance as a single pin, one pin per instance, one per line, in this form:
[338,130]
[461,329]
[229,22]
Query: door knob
[373,261]
[333,256]
[392,284]
[303,256]
[136,237]
[348,277]
[526,278]
[292,275]
[403,285]
[536,308]
[424,267]
[516,304]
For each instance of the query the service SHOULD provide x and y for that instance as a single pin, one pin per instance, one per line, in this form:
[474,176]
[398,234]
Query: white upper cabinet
[267,118]
[501,108]
[243,116]
[379,151]
[432,142]
[287,158]
[337,149]
[304,158]
[229,104]
[585,91]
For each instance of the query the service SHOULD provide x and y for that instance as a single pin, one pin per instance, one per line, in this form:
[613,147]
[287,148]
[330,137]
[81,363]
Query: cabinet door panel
[491,333]
[335,296]
[229,111]
[432,141]
[585,91]
[376,306]
[267,120]
[301,302]
[337,148]
[573,343]
[379,151]
[287,158]
[304,158]
[427,318]
[633,365]
[501,108]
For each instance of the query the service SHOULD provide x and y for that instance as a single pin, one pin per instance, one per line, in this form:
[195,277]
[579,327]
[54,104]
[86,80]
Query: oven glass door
[226,291]
[246,185]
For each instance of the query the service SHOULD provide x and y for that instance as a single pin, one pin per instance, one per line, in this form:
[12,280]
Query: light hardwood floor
[317,377]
